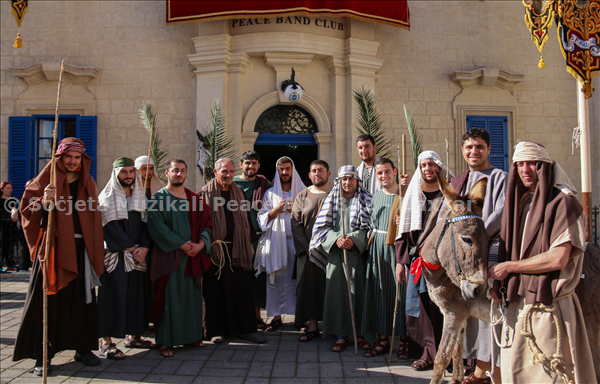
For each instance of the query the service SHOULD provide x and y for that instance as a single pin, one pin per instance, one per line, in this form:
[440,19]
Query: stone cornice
[50,71]
[486,77]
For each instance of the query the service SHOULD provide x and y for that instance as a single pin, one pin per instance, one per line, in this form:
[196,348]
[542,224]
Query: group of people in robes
[342,252]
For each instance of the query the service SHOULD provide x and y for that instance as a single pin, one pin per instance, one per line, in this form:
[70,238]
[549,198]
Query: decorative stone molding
[272,98]
[486,77]
[50,71]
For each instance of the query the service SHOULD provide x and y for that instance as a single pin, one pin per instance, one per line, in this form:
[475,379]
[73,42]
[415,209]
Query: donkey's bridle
[450,223]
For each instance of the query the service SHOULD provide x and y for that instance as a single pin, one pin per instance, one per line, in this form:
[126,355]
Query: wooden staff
[341,208]
[401,193]
[149,153]
[49,232]
[447,160]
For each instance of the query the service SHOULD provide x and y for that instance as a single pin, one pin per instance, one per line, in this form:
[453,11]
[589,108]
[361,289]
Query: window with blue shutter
[30,144]
[497,127]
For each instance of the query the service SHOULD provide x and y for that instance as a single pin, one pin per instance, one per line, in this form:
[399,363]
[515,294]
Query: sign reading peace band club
[379,11]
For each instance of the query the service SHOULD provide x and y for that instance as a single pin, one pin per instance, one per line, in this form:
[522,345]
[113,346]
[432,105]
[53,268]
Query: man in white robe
[275,254]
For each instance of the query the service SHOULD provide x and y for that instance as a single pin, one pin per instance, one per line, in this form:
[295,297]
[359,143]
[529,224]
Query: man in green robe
[331,244]
[179,223]
[254,187]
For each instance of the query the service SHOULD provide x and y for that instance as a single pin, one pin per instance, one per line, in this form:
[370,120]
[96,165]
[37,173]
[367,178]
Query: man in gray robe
[311,280]
[122,308]
[476,150]
[349,195]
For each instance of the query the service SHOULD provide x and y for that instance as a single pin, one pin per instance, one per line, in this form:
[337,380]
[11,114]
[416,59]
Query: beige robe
[516,358]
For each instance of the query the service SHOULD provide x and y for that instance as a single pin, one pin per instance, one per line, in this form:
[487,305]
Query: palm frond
[215,143]
[369,120]
[415,137]
[159,152]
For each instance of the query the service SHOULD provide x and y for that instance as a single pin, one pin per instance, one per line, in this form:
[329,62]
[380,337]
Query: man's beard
[320,183]
[176,183]
[434,181]
[125,184]
[248,174]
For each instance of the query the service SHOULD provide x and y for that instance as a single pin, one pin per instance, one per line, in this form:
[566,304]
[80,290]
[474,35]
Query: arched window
[285,119]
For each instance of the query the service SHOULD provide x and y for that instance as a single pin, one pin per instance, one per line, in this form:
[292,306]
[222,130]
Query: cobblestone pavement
[282,360]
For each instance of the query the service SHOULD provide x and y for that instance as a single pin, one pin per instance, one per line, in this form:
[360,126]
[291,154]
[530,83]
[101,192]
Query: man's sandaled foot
[87,358]
[377,350]
[111,352]
[197,344]
[340,344]
[365,344]
[274,325]
[422,365]
[260,324]
[309,335]
[472,379]
[165,351]
[403,349]
[138,342]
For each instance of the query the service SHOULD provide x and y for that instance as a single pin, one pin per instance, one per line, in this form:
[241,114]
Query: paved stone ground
[282,360]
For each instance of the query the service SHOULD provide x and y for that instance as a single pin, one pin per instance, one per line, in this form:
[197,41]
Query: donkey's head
[461,244]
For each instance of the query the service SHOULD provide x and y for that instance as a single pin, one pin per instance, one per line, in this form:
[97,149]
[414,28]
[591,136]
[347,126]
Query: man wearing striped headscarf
[122,305]
[329,245]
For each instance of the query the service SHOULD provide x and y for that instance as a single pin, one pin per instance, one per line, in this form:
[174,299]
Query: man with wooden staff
[380,293]
[420,208]
[149,177]
[75,262]
[327,239]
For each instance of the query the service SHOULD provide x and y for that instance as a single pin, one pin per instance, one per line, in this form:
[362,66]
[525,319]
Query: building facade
[463,64]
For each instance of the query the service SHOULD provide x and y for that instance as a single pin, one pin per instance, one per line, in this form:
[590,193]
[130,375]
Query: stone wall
[138,57]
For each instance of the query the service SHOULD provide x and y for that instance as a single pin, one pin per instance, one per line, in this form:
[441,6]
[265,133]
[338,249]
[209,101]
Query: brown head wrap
[552,212]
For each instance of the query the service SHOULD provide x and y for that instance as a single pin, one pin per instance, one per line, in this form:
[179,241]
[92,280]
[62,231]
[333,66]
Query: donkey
[459,245]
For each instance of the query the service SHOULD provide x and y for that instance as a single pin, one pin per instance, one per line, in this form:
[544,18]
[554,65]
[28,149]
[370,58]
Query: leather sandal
[309,335]
[472,379]
[260,324]
[274,325]
[138,342]
[403,349]
[422,365]
[377,350]
[111,352]
[365,344]
[340,344]
[197,344]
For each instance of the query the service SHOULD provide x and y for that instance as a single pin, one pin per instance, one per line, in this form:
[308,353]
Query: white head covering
[113,200]
[271,253]
[529,151]
[155,183]
[414,200]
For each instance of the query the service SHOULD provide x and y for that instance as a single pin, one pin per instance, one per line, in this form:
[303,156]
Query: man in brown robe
[75,262]
[311,279]
[228,294]
[420,209]
[542,240]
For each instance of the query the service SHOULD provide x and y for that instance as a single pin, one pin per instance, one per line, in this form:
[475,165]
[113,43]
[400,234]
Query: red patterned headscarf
[70,144]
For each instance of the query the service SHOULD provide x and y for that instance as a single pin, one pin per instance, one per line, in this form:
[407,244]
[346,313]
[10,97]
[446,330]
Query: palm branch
[158,151]
[369,120]
[415,137]
[215,143]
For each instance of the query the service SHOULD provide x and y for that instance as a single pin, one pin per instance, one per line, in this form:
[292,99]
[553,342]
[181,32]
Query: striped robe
[380,292]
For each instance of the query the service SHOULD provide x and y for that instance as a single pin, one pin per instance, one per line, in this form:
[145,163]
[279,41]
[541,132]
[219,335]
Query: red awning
[387,12]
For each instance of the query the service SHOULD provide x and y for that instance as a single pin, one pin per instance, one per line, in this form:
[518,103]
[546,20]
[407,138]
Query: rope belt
[221,263]
[538,356]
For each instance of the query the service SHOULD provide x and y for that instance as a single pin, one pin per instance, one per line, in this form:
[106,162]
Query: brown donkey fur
[459,299]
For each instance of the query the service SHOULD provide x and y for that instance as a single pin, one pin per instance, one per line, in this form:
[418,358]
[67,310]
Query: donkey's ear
[449,192]
[477,193]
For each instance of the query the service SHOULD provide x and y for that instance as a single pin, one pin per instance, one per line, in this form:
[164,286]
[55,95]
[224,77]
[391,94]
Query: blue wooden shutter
[19,152]
[86,131]
[497,127]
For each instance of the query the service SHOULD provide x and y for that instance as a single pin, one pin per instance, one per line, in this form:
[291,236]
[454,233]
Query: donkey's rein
[450,223]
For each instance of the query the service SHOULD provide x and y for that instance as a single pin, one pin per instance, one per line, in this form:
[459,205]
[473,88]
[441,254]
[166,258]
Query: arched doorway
[286,130]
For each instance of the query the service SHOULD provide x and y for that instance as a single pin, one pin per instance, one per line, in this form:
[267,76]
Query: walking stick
[399,212]
[447,160]
[43,262]
[341,207]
